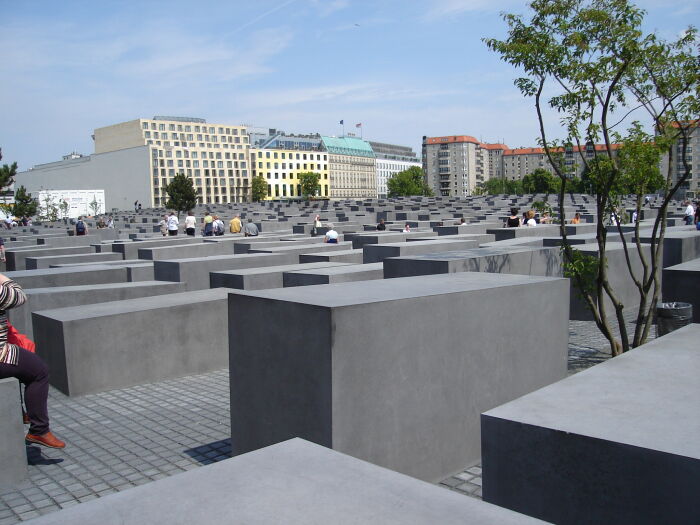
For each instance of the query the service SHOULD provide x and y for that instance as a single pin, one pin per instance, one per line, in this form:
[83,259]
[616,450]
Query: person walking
[381,226]
[207,225]
[689,213]
[251,230]
[190,223]
[316,225]
[173,224]
[80,227]
[28,368]
[234,225]
[163,225]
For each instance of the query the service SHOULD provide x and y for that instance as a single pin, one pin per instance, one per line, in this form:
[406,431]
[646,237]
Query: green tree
[540,181]
[181,194]
[309,184]
[25,204]
[591,63]
[259,188]
[49,210]
[63,206]
[96,206]
[7,174]
[408,182]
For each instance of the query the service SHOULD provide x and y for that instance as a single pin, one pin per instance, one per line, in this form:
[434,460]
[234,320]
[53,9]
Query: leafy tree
[408,182]
[540,181]
[591,63]
[49,209]
[64,208]
[259,188]
[309,183]
[25,204]
[94,206]
[7,174]
[181,194]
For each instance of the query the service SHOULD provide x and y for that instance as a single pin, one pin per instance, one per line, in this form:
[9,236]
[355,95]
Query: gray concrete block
[183,251]
[34,263]
[103,346]
[349,367]
[682,283]
[617,443]
[260,278]
[295,248]
[297,483]
[195,272]
[359,240]
[336,274]
[541,230]
[16,258]
[373,253]
[63,296]
[129,250]
[680,245]
[56,241]
[13,454]
[344,256]
[69,276]
[243,246]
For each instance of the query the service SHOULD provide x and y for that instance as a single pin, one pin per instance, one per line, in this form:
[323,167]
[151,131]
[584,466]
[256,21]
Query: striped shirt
[11,295]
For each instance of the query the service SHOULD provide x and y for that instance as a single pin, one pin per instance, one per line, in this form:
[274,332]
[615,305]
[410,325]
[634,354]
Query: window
[161,127]
[144,125]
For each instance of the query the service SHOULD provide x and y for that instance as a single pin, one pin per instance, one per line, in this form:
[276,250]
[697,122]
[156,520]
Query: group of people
[530,219]
[691,215]
[12,222]
[210,225]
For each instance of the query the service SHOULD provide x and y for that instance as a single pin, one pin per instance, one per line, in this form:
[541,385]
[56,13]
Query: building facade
[391,159]
[455,165]
[691,187]
[520,162]
[352,168]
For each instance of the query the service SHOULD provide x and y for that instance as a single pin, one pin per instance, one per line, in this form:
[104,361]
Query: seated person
[331,235]
[576,219]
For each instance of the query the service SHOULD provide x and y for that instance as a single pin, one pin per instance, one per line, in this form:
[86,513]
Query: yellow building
[214,156]
[281,169]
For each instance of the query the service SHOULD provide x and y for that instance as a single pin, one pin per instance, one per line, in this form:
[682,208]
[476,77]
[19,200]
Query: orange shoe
[47,440]
[25,418]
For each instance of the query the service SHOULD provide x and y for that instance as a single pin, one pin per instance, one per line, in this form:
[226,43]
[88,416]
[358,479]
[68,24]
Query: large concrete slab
[374,253]
[261,278]
[194,272]
[334,274]
[680,245]
[103,346]
[63,296]
[70,276]
[129,250]
[296,483]
[183,251]
[298,248]
[34,263]
[682,283]
[13,454]
[16,259]
[342,256]
[617,443]
[353,366]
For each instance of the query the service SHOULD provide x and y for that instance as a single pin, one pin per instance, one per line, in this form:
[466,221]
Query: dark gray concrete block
[544,230]
[260,278]
[682,283]
[617,443]
[34,263]
[16,258]
[373,253]
[336,274]
[103,346]
[298,248]
[348,366]
[129,250]
[296,483]
[359,240]
[680,245]
[13,454]
[195,272]
[63,296]
[184,251]
[342,256]
[69,276]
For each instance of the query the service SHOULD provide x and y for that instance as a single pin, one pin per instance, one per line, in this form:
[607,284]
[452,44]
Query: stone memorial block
[265,487]
[334,274]
[16,258]
[395,372]
[34,263]
[680,245]
[617,443]
[104,346]
[13,454]
[260,278]
[344,256]
[68,276]
[374,253]
[681,283]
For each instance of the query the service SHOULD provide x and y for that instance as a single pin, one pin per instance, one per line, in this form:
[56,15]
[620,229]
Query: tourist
[697,213]
[101,223]
[2,249]
[545,219]
[461,222]
[28,368]
[217,226]
[381,226]
[80,227]
[250,230]
[110,222]
[407,228]
[163,225]
[190,223]
[317,224]
[207,224]
[173,224]
[646,200]
[234,225]
[689,213]
[513,221]
[576,219]
[331,235]
[530,214]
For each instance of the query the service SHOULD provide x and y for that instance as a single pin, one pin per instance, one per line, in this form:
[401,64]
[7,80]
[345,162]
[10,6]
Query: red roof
[451,138]
[540,151]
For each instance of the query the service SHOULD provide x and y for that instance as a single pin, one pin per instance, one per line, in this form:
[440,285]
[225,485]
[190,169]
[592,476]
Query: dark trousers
[33,373]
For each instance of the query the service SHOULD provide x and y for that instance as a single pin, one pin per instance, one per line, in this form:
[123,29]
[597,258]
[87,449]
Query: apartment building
[136,160]
[352,168]
[521,161]
[691,187]
[280,158]
[391,159]
[455,165]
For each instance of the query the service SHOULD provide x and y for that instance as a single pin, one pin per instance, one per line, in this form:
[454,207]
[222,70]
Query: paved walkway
[124,438]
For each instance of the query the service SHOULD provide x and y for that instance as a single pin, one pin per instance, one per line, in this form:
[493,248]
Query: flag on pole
[342,121]
[358,125]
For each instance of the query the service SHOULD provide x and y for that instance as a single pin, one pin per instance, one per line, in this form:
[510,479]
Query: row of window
[190,137]
[197,172]
[188,127]
[194,154]
[299,156]
[166,144]
[283,189]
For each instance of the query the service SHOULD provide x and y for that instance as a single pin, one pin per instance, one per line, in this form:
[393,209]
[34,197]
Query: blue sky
[403,68]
